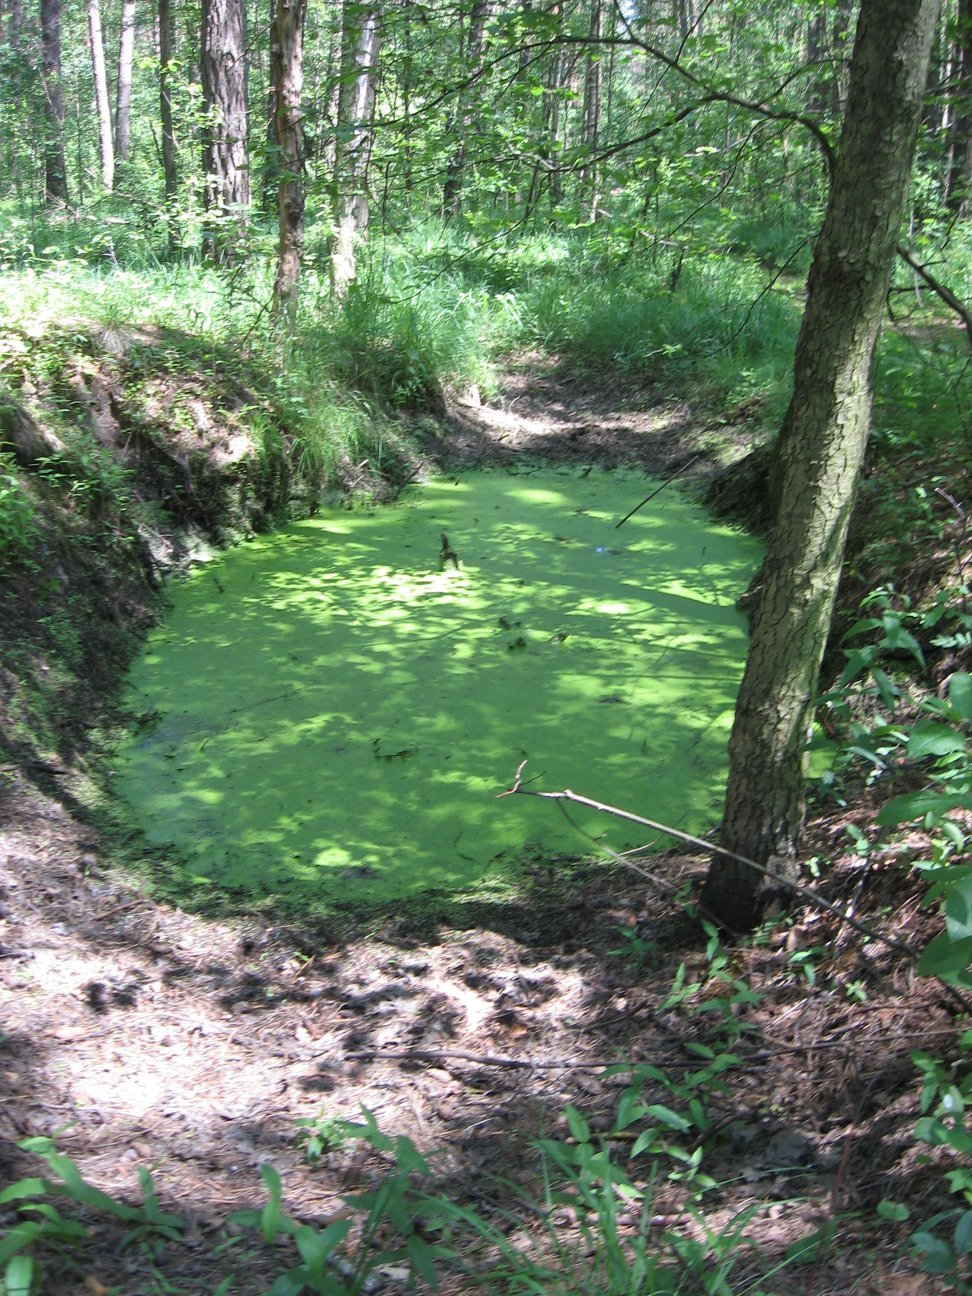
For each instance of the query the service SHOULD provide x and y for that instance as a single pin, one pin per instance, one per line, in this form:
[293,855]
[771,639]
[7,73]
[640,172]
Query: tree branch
[810,896]
[940,289]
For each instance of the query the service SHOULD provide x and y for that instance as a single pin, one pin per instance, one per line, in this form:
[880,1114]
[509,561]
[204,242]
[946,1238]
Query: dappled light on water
[335,711]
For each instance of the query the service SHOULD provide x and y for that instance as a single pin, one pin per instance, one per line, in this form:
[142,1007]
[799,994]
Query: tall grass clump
[414,324]
[692,323]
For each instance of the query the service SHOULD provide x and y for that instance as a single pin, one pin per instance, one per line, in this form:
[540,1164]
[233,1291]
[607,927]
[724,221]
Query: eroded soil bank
[143,1035]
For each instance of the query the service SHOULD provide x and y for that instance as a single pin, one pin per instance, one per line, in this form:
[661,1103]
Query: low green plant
[392,1224]
[937,746]
[90,476]
[42,1228]
[322,1134]
[944,1242]
[18,523]
[638,950]
[601,1235]
[726,994]
[805,961]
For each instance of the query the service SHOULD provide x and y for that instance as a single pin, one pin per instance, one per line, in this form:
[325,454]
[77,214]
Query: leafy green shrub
[944,1242]
[937,746]
[18,523]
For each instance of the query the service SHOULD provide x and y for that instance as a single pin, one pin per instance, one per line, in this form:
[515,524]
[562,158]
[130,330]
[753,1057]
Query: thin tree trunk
[958,181]
[287,77]
[270,171]
[360,46]
[473,64]
[15,21]
[820,451]
[123,101]
[592,111]
[106,145]
[169,156]
[12,28]
[55,163]
[226,166]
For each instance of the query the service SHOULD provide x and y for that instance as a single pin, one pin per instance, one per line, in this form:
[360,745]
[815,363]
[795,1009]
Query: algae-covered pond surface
[333,713]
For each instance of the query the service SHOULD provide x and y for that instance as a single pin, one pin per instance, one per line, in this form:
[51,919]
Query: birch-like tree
[55,163]
[106,142]
[360,47]
[123,88]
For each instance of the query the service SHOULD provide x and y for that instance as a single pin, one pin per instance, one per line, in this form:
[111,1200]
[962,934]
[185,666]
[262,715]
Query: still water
[331,711]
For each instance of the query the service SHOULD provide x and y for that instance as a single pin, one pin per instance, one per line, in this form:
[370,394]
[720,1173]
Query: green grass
[438,308]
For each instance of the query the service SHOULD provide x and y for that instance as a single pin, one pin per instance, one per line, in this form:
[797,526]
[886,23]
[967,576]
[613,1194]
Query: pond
[330,712]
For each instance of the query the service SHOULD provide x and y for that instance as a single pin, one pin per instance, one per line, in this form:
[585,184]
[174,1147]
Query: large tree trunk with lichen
[226,163]
[287,76]
[819,454]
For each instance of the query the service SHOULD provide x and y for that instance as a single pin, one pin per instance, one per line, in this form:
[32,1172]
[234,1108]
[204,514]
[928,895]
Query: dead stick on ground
[481,1059]
[808,895]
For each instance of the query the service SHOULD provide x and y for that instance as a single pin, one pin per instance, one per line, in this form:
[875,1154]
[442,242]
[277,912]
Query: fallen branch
[481,1059]
[810,896]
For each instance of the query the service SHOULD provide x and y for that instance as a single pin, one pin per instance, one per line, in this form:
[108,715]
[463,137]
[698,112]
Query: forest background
[361,212]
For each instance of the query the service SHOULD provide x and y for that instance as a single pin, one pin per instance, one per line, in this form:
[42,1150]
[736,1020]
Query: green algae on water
[337,708]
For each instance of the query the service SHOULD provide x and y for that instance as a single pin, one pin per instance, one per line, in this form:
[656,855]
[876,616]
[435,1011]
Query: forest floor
[140,1035]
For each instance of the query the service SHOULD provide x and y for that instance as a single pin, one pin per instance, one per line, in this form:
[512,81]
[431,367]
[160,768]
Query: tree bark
[819,453]
[226,164]
[123,99]
[106,144]
[958,179]
[287,77]
[55,163]
[169,157]
[591,121]
[456,170]
[360,47]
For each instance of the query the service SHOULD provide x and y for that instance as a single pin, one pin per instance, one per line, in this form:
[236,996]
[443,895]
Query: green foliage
[92,477]
[588,1195]
[18,523]
[322,1134]
[638,949]
[936,746]
[42,1228]
[944,1242]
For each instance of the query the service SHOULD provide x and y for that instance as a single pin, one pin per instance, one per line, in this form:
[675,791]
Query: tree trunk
[106,145]
[15,20]
[591,122]
[456,170]
[287,77]
[820,449]
[55,164]
[123,101]
[226,165]
[169,162]
[360,45]
[958,180]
